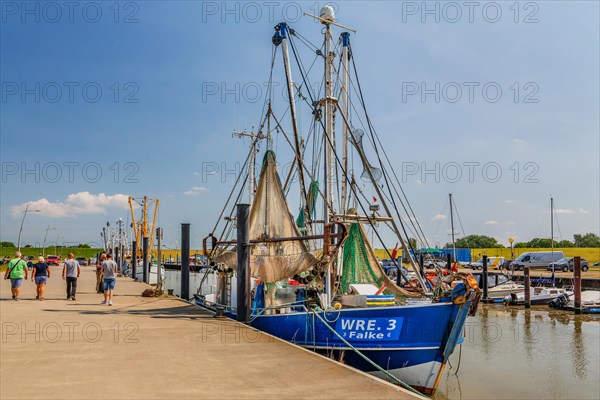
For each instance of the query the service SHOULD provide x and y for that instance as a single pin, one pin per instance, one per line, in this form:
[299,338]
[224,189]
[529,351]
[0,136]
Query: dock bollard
[185,261]
[527,288]
[133,259]
[145,266]
[577,285]
[243,262]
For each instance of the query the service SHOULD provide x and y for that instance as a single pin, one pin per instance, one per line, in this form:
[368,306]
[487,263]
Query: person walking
[110,270]
[71,267]
[99,281]
[17,269]
[40,273]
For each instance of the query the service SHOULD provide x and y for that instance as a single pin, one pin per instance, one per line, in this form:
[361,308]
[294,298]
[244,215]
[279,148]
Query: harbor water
[518,353]
[511,353]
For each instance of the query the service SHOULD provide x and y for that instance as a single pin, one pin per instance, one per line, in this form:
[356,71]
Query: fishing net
[270,218]
[313,192]
[361,266]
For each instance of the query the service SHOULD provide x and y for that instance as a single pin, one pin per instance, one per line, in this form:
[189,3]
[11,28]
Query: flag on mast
[395,252]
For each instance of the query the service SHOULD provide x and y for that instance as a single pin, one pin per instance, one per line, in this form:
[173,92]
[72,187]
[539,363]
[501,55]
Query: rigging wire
[345,173]
[458,217]
[371,130]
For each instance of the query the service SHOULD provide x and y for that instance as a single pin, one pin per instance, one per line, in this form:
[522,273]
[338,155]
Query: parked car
[92,261]
[536,259]
[52,260]
[566,264]
[81,260]
[492,263]
[392,272]
[432,262]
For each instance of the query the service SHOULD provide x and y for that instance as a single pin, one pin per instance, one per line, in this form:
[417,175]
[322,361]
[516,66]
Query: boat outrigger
[316,281]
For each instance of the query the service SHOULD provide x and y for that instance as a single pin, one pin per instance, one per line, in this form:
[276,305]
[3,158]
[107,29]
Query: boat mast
[345,106]
[251,168]
[284,32]
[327,16]
[552,226]
[452,227]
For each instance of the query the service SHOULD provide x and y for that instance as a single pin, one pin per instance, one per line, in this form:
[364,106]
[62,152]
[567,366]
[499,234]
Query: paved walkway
[147,348]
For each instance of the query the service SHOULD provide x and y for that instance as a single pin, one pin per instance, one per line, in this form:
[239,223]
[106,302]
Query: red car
[53,260]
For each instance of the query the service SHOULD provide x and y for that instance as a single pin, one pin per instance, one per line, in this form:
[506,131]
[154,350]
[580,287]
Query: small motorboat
[504,289]
[590,302]
[538,295]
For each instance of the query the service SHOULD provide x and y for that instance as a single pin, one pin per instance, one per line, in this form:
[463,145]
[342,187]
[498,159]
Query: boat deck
[155,348]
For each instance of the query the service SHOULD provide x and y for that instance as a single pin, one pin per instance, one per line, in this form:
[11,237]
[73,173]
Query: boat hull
[411,342]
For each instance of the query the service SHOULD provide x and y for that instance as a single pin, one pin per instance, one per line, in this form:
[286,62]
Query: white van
[536,259]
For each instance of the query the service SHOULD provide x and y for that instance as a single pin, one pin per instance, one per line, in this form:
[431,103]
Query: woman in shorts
[41,273]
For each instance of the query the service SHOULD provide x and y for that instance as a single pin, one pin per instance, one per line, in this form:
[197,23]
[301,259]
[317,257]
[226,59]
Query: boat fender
[472,281]
[458,294]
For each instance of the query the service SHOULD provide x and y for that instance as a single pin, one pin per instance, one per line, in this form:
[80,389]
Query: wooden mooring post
[577,285]
[484,278]
[527,288]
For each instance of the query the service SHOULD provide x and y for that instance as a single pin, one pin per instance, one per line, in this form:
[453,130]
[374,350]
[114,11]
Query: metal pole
[158,256]
[527,288]
[452,227]
[484,282]
[345,106]
[243,262]
[145,275]
[421,267]
[185,261]
[577,286]
[284,30]
[329,138]
[133,259]
[552,227]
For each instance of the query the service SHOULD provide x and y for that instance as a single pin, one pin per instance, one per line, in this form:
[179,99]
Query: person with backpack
[16,271]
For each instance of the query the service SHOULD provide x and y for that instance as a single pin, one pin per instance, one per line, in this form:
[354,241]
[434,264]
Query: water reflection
[539,353]
[579,359]
[529,333]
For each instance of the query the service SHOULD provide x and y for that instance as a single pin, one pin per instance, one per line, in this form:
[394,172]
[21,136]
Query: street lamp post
[22,222]
[45,237]
[512,256]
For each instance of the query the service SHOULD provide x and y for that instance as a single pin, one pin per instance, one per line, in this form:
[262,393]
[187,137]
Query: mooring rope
[367,359]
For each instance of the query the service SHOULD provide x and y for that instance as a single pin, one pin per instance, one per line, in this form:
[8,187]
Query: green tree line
[486,242]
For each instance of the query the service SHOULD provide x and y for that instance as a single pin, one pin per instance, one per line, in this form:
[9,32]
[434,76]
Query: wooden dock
[155,348]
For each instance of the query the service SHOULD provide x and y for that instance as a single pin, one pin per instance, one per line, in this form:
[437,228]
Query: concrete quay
[154,348]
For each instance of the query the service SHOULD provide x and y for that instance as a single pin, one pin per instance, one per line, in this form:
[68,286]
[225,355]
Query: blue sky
[176,78]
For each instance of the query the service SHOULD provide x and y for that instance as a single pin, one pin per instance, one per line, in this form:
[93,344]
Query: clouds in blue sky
[494,104]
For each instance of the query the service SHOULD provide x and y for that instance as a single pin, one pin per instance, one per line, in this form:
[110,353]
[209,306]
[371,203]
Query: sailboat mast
[452,227]
[345,106]
[552,226]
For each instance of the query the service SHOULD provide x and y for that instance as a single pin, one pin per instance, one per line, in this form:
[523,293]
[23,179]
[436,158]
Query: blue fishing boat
[315,279]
